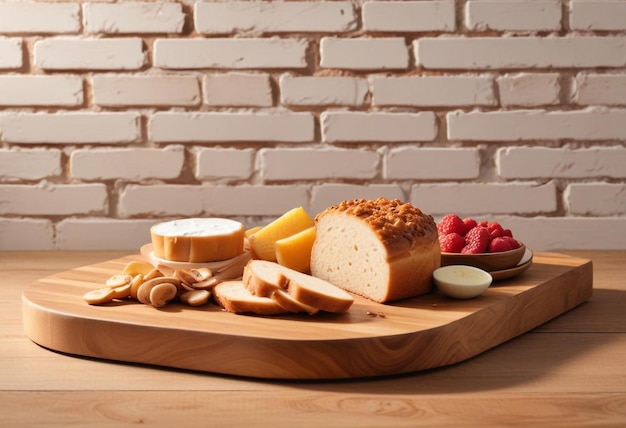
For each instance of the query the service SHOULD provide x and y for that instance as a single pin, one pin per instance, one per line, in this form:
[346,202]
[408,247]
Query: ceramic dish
[486,261]
[146,251]
[522,266]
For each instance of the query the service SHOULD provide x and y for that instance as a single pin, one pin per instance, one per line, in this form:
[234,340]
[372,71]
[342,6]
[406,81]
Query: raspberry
[451,243]
[483,223]
[507,232]
[476,241]
[470,223]
[503,243]
[451,223]
[495,230]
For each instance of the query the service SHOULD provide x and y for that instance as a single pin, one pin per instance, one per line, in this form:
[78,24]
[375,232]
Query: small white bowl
[462,282]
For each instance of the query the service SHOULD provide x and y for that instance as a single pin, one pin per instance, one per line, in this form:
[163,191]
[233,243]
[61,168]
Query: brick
[311,164]
[364,53]
[219,163]
[425,163]
[64,53]
[328,194]
[238,89]
[516,15]
[26,164]
[24,90]
[484,198]
[103,234]
[570,233]
[343,126]
[124,90]
[230,53]
[53,199]
[274,17]
[475,53]
[26,234]
[529,89]
[231,127]
[322,90]
[597,15]
[589,124]
[133,17]
[410,16]
[39,17]
[254,200]
[160,200]
[537,162]
[80,128]
[10,52]
[128,164]
[603,89]
[433,91]
[596,199]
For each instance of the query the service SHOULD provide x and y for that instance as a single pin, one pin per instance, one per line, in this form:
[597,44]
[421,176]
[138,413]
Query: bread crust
[399,226]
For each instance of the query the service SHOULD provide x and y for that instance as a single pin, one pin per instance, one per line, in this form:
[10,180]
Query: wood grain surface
[370,340]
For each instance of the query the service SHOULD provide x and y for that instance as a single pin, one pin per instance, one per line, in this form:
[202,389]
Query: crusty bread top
[400,226]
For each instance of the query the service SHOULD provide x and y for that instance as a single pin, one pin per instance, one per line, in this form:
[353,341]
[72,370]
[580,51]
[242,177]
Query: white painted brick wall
[79,128]
[26,234]
[410,16]
[274,17]
[238,89]
[598,15]
[39,17]
[343,126]
[221,163]
[254,200]
[598,199]
[230,53]
[161,200]
[427,163]
[485,198]
[318,163]
[225,127]
[329,194]
[322,90]
[600,89]
[433,91]
[474,53]
[66,53]
[538,162]
[513,15]
[19,90]
[102,234]
[10,52]
[519,125]
[133,17]
[115,115]
[29,164]
[120,90]
[129,164]
[529,89]
[53,199]
[364,53]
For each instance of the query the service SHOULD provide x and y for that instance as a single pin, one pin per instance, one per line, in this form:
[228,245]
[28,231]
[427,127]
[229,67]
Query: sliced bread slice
[235,297]
[265,278]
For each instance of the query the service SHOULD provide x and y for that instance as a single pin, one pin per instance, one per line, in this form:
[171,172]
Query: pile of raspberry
[467,236]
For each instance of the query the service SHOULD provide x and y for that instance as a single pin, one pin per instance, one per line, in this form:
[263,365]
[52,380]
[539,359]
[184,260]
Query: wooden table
[570,371]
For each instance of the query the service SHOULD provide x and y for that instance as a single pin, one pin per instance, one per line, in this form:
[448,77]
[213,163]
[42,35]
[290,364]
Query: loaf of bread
[381,249]
[198,240]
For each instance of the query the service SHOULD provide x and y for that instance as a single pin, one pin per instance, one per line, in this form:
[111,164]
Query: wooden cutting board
[370,340]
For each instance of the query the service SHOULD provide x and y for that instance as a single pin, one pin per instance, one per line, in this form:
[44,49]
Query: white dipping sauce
[462,282]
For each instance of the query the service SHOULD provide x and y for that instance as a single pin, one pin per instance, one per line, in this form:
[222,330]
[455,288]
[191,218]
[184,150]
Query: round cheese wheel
[198,240]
